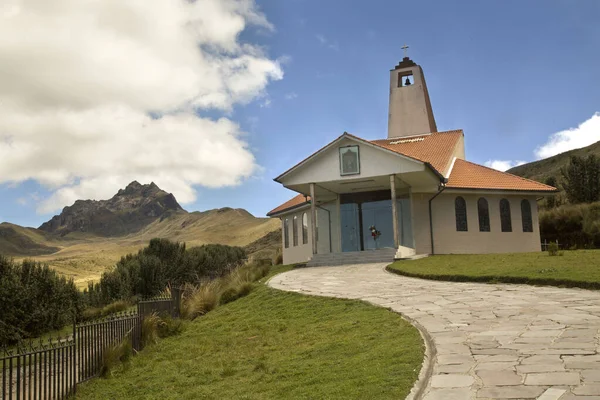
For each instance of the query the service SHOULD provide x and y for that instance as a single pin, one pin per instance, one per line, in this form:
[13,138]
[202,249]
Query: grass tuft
[114,356]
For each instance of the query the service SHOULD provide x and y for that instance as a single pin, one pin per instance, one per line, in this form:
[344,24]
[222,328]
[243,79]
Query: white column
[313,218]
[394,210]
[412,217]
[338,204]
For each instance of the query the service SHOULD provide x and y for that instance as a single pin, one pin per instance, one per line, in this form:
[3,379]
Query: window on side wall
[286,235]
[484,215]
[505,220]
[526,216]
[304,228]
[295,230]
[460,209]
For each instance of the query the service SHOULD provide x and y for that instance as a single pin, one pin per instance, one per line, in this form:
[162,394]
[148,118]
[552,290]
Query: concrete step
[355,257]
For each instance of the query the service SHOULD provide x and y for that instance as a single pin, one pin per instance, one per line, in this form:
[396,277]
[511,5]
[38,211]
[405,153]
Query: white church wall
[448,241]
[302,252]
[325,167]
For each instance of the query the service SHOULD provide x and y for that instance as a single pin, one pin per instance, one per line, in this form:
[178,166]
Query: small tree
[551,200]
[581,179]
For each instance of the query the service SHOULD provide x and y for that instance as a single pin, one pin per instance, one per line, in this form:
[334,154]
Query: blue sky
[509,73]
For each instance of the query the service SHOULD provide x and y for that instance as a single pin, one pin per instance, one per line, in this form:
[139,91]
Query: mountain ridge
[89,236]
[540,170]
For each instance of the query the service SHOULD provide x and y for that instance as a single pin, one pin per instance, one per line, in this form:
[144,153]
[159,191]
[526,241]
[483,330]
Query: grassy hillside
[542,169]
[17,240]
[275,345]
[84,257]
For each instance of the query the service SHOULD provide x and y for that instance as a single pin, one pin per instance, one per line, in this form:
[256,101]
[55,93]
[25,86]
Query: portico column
[338,204]
[394,210]
[313,218]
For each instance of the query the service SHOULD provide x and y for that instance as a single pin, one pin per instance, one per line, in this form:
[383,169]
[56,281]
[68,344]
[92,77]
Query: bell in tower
[407,82]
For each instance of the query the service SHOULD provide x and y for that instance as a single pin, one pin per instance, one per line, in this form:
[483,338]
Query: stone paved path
[492,341]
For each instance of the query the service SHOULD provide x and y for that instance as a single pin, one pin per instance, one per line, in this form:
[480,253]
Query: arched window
[460,209]
[505,220]
[526,216]
[295,230]
[484,215]
[286,233]
[304,228]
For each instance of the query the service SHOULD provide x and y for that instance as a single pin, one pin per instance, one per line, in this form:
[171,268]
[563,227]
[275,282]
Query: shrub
[236,291]
[160,264]
[115,355]
[150,328]
[169,327]
[200,299]
[279,259]
[34,299]
[553,249]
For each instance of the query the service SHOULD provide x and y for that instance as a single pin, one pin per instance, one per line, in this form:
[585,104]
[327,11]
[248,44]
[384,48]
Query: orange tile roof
[468,175]
[292,203]
[436,148]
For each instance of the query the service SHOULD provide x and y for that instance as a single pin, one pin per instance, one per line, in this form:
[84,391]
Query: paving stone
[590,375]
[451,381]
[448,394]
[529,368]
[495,366]
[454,359]
[587,390]
[453,368]
[499,378]
[552,378]
[552,394]
[511,392]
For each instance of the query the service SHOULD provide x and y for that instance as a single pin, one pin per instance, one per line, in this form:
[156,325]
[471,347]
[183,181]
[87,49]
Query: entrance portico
[345,204]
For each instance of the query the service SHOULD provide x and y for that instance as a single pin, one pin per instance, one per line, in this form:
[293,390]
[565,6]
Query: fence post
[176,302]
[74,360]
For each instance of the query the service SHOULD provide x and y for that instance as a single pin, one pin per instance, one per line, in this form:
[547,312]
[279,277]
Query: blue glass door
[350,227]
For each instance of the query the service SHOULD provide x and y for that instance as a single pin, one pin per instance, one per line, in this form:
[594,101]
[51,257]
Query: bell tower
[410,110]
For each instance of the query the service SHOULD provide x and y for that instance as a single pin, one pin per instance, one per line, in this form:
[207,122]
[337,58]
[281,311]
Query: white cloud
[291,96]
[503,165]
[79,79]
[266,103]
[587,133]
[333,45]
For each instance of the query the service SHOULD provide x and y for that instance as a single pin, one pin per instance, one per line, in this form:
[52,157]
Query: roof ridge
[507,173]
[419,135]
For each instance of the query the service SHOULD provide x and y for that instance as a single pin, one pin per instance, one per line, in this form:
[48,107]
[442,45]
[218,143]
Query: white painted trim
[450,169]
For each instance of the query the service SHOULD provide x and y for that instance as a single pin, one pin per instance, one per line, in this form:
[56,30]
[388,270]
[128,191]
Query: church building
[408,195]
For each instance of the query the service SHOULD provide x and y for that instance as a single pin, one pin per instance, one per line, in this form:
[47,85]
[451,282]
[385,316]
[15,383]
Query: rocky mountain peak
[126,212]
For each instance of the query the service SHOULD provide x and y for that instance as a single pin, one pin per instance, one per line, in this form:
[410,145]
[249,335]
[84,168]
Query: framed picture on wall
[349,160]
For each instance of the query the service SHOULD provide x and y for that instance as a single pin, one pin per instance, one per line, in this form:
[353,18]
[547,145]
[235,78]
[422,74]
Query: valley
[88,237]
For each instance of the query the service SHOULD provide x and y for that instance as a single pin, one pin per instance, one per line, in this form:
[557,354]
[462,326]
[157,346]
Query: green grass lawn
[275,345]
[578,268]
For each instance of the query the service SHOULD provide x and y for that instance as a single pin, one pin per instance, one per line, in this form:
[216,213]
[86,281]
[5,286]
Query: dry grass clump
[150,326]
[197,300]
[115,355]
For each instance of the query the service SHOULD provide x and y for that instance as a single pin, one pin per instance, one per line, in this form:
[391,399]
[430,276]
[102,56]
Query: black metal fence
[165,305]
[52,369]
